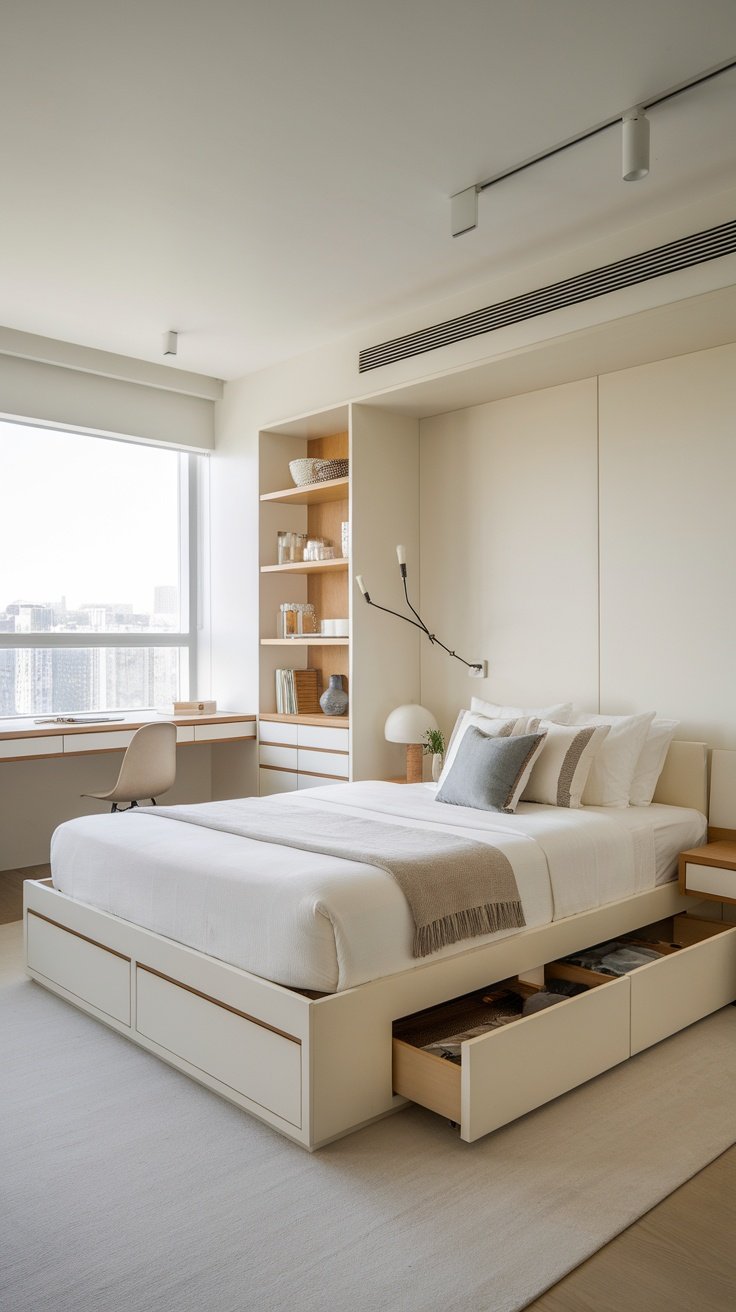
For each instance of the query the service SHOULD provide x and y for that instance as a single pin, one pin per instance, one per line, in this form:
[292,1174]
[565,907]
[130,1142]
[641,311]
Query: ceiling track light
[634,150]
[634,145]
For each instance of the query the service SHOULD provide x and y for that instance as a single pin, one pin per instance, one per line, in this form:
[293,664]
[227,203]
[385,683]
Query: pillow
[561,771]
[651,761]
[490,773]
[493,728]
[609,782]
[560,713]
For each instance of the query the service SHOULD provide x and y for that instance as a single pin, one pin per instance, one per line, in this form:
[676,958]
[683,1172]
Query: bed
[277,977]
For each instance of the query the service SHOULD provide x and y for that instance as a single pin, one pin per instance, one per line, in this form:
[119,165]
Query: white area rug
[126,1186]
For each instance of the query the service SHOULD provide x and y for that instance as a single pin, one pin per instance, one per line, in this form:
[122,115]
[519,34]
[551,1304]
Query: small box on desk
[195,708]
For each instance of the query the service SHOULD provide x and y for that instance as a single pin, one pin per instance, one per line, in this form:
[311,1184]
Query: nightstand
[710,871]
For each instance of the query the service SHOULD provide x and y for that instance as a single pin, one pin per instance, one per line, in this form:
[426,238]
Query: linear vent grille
[680,254]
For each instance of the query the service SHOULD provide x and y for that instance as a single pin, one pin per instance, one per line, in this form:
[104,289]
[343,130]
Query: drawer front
[12,748]
[323,763]
[247,1057]
[713,880]
[681,988]
[277,781]
[313,735]
[520,1066]
[284,757]
[117,739]
[213,733]
[315,780]
[185,733]
[92,973]
[274,731]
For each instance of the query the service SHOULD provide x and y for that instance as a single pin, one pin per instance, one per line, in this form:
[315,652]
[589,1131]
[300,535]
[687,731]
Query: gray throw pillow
[490,774]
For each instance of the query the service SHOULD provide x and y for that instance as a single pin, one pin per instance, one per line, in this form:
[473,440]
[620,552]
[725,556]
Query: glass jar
[283,547]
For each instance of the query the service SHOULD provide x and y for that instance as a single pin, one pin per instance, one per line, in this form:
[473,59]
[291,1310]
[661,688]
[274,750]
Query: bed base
[314,1069]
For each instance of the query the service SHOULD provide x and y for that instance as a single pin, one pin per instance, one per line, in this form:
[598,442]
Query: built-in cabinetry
[377,658]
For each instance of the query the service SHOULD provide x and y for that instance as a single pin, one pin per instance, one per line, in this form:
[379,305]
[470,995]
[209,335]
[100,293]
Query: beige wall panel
[509,549]
[668,542]
[384,512]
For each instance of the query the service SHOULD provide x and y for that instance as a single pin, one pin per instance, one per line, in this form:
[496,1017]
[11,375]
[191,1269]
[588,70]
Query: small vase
[438,761]
[334,700]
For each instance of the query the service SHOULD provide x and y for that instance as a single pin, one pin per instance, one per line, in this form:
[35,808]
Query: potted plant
[434,746]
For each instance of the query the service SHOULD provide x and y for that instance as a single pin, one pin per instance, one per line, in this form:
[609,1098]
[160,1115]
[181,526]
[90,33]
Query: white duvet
[323,923]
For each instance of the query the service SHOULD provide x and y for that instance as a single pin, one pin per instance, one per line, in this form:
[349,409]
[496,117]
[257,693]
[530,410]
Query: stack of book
[297,692]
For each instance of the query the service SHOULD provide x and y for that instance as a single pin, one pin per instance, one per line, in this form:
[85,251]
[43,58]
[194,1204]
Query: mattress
[324,923]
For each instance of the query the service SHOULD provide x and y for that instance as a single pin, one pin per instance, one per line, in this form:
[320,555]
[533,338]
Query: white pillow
[494,728]
[609,781]
[561,771]
[651,761]
[560,713]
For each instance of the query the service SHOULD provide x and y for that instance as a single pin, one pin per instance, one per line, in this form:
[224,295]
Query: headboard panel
[684,779]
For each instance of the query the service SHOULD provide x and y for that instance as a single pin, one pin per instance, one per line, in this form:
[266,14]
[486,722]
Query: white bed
[318,1065]
[326,924]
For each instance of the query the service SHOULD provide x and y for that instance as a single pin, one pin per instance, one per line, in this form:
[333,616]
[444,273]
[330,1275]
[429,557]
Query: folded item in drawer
[617,957]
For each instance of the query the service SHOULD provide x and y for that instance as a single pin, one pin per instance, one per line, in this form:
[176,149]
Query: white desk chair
[148,768]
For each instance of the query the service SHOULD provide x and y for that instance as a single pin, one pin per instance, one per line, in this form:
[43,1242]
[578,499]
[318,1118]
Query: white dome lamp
[409,724]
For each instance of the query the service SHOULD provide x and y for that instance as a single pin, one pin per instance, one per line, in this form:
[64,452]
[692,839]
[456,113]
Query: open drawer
[508,1071]
[683,985]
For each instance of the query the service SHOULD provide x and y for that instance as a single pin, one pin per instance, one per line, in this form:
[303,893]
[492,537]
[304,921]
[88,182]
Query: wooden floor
[680,1257]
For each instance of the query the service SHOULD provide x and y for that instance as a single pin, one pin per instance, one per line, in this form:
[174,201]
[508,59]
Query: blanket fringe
[485,919]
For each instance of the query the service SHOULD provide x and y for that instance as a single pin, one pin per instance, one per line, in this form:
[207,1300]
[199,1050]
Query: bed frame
[318,1067]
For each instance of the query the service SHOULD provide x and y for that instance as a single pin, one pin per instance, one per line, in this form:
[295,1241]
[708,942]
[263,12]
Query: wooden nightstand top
[721,854]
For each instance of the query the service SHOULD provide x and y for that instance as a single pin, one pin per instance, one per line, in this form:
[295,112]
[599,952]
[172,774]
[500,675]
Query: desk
[21,740]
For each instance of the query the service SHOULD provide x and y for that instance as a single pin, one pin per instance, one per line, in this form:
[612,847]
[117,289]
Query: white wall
[511,494]
[509,533]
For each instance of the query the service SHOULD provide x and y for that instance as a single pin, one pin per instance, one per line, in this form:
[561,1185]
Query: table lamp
[409,724]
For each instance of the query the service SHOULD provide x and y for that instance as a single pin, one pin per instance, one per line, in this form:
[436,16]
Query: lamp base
[414,758]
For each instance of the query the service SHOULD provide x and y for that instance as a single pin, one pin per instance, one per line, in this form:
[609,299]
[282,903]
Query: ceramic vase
[334,700]
[438,761]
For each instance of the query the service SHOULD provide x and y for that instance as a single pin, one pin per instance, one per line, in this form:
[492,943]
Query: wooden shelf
[333,489]
[306,640]
[308,567]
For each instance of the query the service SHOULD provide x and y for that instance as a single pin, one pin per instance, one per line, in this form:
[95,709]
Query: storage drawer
[314,762]
[682,986]
[509,1071]
[88,970]
[11,749]
[315,780]
[275,731]
[713,881]
[214,733]
[105,741]
[276,781]
[185,733]
[242,1054]
[314,735]
[282,757]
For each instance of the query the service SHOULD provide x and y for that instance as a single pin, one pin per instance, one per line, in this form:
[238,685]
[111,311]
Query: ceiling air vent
[680,254]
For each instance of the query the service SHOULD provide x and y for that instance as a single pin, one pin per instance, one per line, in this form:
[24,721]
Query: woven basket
[311,470]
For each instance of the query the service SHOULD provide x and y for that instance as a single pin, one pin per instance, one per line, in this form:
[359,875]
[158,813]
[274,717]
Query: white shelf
[308,567]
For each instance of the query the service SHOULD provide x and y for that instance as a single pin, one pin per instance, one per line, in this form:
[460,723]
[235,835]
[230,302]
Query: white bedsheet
[323,923]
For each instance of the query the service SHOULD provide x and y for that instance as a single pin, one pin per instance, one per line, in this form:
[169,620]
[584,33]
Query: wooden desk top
[27,727]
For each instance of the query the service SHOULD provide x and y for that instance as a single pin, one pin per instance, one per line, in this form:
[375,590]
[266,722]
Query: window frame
[185,638]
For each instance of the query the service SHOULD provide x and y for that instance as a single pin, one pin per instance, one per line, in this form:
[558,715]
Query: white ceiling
[268,175]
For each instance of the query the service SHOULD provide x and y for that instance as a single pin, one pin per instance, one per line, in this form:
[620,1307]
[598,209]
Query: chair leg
[153,801]
[114,806]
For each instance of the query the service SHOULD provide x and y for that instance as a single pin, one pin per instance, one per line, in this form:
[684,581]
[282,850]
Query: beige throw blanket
[456,888]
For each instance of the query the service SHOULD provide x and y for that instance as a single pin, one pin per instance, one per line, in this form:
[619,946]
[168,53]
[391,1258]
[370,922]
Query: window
[97,555]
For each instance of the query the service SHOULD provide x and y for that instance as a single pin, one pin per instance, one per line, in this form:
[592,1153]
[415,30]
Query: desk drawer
[237,1051]
[683,986]
[13,749]
[87,970]
[105,741]
[213,733]
[509,1071]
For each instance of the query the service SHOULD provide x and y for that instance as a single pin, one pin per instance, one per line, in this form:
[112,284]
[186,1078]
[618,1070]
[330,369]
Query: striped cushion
[561,771]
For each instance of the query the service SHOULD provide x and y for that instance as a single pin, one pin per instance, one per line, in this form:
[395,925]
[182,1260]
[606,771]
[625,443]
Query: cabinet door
[277,781]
